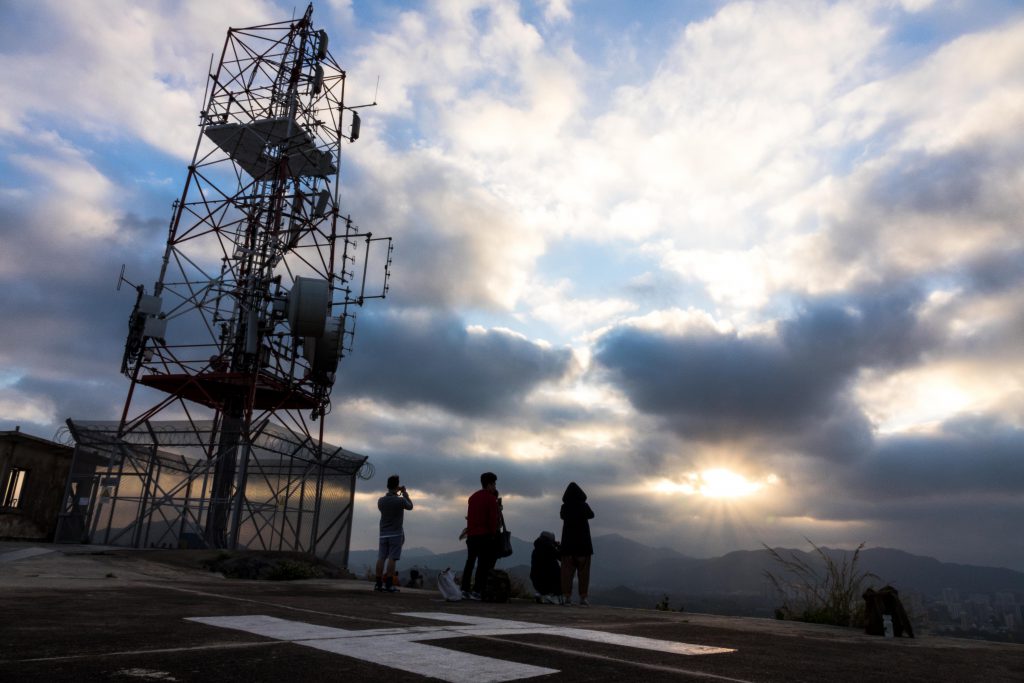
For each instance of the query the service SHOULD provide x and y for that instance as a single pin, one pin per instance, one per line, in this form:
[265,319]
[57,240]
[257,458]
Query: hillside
[737,577]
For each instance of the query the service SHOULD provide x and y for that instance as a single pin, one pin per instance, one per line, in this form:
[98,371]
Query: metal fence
[151,488]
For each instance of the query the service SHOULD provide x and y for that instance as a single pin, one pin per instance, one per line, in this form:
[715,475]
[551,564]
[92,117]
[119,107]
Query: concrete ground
[85,613]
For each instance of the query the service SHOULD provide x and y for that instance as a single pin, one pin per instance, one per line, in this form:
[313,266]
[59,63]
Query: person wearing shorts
[392,506]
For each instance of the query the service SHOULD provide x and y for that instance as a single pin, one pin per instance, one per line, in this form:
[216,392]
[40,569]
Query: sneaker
[565,602]
[391,589]
[584,602]
[550,599]
[378,586]
[474,596]
[465,595]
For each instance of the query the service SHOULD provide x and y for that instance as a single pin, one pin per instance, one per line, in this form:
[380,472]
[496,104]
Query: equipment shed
[33,472]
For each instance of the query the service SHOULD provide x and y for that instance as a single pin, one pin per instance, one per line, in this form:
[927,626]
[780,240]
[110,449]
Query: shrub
[269,566]
[289,570]
[829,597]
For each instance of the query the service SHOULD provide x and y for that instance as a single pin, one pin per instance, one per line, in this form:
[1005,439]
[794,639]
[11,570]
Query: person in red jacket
[481,536]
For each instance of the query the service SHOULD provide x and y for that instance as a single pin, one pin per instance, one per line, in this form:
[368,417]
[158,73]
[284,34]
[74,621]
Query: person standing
[392,506]
[481,536]
[577,547]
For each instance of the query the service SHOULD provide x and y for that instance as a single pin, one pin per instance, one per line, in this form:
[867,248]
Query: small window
[14,482]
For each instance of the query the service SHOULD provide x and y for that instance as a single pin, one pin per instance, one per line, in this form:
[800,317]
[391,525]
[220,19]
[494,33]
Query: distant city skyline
[746,272]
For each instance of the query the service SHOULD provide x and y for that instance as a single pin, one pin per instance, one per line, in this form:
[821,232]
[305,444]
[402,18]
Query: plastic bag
[450,590]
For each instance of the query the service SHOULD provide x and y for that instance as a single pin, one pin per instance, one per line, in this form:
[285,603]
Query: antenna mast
[239,341]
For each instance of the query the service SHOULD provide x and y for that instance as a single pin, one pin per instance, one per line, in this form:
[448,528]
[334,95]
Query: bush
[267,566]
[832,597]
[288,570]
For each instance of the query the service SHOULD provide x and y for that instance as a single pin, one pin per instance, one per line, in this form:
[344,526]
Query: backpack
[498,587]
[450,590]
[881,603]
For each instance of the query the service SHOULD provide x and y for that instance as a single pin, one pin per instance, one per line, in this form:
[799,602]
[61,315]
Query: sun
[719,483]
[722,483]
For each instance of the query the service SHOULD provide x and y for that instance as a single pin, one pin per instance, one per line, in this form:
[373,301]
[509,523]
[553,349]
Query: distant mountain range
[628,573]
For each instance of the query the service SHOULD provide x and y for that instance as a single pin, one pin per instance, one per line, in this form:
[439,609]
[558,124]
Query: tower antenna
[232,355]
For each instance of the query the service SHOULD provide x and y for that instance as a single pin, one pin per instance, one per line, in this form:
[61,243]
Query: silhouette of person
[481,536]
[392,508]
[577,547]
[545,572]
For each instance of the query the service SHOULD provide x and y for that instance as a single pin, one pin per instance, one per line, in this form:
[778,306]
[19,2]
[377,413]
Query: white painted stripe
[403,648]
[24,553]
[272,627]
[138,653]
[638,642]
[263,603]
[391,648]
[399,652]
[570,651]
[490,627]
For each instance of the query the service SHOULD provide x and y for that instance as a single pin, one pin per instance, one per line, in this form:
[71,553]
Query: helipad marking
[506,627]
[405,651]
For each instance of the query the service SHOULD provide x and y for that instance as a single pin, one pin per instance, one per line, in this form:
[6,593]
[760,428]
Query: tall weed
[825,594]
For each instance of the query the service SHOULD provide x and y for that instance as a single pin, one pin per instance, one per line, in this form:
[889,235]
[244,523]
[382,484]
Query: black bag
[504,540]
[885,601]
[498,587]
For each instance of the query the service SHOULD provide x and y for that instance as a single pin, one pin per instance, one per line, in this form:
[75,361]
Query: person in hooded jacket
[545,574]
[577,547]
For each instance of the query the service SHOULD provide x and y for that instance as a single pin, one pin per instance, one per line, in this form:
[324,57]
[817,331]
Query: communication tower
[233,353]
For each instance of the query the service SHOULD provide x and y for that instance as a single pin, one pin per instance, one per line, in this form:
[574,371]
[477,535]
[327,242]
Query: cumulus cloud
[457,244]
[967,456]
[135,72]
[720,384]
[408,357]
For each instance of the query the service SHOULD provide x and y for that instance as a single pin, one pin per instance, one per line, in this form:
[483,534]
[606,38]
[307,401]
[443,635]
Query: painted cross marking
[406,652]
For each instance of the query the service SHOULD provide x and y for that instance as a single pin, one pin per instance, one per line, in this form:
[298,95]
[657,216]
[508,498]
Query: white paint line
[631,663]
[400,652]
[148,674]
[484,626]
[24,553]
[265,603]
[160,651]
[391,648]
[638,642]
[404,648]
[272,627]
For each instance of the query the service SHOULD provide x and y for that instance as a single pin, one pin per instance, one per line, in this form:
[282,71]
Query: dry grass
[830,594]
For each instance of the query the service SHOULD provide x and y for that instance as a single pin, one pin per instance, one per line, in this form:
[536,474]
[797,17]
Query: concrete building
[33,473]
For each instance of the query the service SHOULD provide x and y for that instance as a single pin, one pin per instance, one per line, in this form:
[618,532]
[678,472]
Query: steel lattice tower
[239,340]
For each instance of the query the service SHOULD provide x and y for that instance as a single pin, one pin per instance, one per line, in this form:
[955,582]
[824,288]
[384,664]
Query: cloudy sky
[747,272]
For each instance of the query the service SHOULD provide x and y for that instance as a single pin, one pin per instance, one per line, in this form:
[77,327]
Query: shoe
[549,599]
[391,589]
[378,587]
[465,595]
[565,602]
[474,596]
[584,602]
